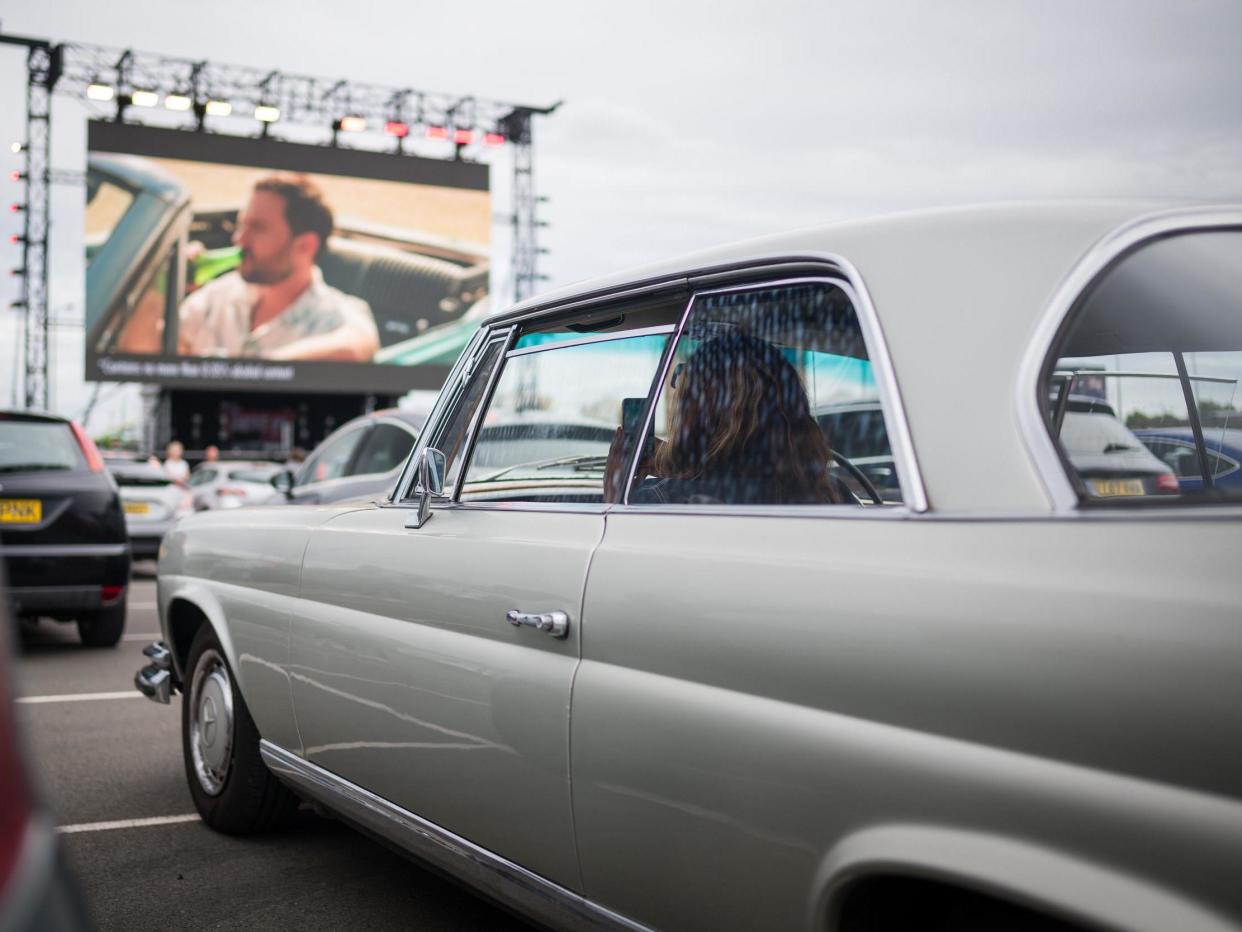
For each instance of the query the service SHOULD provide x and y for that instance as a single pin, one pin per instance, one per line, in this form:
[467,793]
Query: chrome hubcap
[211,721]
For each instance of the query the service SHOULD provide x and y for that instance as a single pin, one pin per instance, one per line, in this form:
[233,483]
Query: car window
[331,459]
[1142,387]
[385,448]
[262,474]
[552,431]
[202,476]
[106,205]
[450,438]
[34,446]
[770,399]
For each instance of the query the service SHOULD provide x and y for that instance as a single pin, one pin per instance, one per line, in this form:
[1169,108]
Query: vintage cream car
[633,645]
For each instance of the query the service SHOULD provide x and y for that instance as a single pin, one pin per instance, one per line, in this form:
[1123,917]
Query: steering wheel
[859,476]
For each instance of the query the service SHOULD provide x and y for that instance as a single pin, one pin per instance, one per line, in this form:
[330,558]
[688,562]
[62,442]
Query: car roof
[971,283]
[32,416]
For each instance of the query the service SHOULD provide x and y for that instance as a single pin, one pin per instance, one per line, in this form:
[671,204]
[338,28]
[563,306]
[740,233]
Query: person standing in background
[176,468]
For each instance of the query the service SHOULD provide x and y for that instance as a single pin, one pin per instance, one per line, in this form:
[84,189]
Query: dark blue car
[1176,446]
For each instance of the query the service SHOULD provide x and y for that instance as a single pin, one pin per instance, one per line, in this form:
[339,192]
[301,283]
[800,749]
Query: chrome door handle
[554,623]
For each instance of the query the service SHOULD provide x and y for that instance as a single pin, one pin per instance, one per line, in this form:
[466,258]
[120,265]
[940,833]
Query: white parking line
[141,636]
[126,823]
[81,697]
[144,604]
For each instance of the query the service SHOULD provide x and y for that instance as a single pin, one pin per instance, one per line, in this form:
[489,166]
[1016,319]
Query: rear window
[255,475]
[1153,351]
[35,446]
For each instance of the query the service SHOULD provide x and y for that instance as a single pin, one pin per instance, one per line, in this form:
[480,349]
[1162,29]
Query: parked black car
[62,531]
[362,457]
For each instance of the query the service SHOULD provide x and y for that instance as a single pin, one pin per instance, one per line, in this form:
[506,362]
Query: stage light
[144,98]
[463,137]
[397,128]
[219,108]
[16,238]
[16,175]
[96,91]
[178,102]
[17,305]
[17,272]
[265,113]
[493,139]
[16,208]
[437,132]
[17,147]
[350,124]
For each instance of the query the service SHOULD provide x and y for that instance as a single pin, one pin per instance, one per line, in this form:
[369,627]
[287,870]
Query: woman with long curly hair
[740,431]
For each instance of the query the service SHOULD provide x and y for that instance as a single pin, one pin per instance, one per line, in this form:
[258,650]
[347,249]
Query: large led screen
[222,261]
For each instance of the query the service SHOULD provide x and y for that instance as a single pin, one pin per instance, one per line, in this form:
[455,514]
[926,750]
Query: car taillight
[110,594]
[1167,483]
[89,450]
[232,490]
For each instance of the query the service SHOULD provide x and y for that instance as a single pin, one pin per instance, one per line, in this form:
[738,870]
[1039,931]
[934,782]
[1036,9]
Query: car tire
[104,627]
[232,788]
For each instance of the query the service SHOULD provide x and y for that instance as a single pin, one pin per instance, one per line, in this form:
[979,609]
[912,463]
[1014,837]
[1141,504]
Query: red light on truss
[397,128]
[437,132]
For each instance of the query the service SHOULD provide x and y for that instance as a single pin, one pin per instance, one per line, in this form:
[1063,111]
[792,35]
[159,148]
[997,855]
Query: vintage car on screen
[140,264]
[633,643]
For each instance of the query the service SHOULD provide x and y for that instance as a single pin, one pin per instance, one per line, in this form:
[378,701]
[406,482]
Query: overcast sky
[688,124]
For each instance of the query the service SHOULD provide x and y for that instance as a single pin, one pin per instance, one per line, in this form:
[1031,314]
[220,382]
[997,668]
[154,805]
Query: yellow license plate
[21,510]
[1112,488]
[136,508]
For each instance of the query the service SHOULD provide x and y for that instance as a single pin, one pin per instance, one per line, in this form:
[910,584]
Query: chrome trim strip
[822,512]
[592,338]
[1039,443]
[653,398]
[448,392]
[591,508]
[491,874]
[476,420]
[64,550]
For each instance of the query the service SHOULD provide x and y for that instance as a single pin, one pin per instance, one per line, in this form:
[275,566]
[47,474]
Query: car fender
[1017,871]
[197,593]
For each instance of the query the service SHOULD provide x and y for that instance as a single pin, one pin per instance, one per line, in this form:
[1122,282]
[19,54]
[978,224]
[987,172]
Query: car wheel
[104,627]
[232,788]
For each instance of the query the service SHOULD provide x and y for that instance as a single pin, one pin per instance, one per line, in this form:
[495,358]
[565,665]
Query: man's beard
[274,270]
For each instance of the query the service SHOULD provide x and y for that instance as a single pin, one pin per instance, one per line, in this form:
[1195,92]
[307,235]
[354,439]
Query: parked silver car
[362,457]
[702,677]
[152,503]
[231,484]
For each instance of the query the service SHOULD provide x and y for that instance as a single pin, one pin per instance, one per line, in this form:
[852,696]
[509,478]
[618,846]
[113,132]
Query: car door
[411,678]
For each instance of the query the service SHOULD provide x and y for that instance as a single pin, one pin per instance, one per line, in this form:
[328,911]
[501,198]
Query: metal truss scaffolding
[218,97]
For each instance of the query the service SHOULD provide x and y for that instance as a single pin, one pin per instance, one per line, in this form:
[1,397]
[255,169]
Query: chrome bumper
[155,680]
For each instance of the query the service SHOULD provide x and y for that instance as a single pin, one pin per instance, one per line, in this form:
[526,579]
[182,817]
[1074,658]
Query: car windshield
[36,446]
[106,204]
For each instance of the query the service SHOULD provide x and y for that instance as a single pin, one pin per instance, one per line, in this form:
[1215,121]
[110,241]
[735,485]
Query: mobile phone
[632,410]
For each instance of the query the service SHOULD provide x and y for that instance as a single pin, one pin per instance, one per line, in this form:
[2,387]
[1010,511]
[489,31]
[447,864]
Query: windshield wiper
[30,467]
[581,462]
[1119,448]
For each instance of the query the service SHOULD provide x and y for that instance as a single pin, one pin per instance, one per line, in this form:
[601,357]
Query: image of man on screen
[275,305]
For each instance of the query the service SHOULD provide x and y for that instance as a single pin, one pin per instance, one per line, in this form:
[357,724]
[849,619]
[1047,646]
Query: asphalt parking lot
[107,762]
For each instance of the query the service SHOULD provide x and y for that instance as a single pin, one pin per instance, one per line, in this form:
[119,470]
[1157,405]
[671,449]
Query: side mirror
[282,482]
[428,484]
